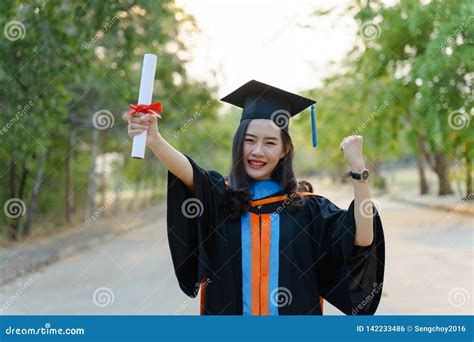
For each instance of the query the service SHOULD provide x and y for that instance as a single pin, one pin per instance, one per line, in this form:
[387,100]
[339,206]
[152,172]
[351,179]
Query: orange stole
[260,258]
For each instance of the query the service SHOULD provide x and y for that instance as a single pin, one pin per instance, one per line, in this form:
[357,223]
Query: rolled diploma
[144,97]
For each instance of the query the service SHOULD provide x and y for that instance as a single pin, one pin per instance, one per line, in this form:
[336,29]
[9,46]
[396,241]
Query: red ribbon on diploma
[146,109]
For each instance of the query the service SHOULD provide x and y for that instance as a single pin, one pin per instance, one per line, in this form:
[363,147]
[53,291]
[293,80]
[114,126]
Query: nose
[257,150]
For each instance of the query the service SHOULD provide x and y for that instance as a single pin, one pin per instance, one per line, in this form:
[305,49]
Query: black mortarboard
[263,101]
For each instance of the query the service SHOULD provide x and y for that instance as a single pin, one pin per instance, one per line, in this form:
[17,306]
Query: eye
[249,140]
[271,143]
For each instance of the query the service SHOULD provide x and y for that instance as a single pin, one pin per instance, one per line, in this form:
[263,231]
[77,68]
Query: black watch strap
[355,175]
[364,175]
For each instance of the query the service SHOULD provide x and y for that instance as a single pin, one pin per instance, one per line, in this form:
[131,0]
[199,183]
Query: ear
[283,153]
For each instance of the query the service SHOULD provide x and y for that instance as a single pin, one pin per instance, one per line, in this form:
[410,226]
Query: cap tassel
[313,126]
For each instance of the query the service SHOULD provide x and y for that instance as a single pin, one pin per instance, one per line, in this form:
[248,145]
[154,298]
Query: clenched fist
[351,147]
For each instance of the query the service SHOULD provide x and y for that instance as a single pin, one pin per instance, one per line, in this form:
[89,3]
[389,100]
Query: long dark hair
[239,182]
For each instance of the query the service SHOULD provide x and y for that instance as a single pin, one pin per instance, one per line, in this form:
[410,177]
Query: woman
[258,242]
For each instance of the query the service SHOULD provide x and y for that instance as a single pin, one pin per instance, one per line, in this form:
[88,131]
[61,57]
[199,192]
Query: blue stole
[260,189]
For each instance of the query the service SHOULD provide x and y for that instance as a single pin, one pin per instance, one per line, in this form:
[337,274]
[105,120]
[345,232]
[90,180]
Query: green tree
[63,61]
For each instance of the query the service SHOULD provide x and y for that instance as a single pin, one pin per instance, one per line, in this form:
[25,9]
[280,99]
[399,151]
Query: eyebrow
[254,136]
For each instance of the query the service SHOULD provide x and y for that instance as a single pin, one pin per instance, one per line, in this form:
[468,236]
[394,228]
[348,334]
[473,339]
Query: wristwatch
[363,176]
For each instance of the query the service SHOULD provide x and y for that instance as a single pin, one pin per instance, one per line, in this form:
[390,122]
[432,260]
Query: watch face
[365,174]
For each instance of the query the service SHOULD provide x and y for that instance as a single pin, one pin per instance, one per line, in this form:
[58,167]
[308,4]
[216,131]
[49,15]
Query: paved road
[428,270]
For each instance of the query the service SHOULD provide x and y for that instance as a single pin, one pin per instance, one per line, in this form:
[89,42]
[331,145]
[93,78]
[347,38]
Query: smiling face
[262,148]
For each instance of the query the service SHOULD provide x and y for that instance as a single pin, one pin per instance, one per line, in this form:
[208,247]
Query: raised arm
[172,159]
[363,214]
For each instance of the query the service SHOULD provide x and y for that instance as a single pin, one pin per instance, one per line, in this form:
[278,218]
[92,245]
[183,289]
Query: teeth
[256,163]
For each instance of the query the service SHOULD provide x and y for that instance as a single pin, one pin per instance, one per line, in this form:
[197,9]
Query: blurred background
[83,226]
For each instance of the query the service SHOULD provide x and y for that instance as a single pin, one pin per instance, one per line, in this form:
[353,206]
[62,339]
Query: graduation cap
[262,101]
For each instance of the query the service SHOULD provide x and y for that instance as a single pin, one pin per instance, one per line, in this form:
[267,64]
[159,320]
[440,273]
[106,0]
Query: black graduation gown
[317,256]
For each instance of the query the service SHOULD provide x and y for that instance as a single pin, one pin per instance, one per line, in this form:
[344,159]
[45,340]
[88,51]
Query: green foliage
[64,61]
[408,75]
